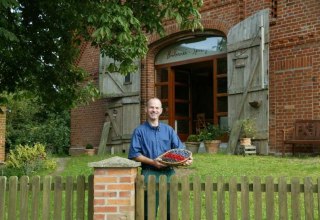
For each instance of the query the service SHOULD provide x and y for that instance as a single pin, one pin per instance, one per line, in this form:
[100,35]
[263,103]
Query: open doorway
[200,90]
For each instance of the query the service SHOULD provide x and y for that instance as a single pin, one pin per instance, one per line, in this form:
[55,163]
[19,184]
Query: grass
[216,165]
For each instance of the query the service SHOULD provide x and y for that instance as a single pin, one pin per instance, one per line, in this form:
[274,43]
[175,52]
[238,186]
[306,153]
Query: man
[150,140]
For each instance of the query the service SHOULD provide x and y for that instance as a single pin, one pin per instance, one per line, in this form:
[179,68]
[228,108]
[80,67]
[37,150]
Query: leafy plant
[30,122]
[193,138]
[211,132]
[25,160]
[89,146]
[248,129]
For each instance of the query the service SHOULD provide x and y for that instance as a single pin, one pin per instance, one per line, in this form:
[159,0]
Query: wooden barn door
[248,78]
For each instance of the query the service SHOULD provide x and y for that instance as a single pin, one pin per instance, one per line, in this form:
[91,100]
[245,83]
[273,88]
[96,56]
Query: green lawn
[222,165]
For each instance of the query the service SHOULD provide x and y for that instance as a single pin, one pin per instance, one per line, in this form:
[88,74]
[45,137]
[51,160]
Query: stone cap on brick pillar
[115,162]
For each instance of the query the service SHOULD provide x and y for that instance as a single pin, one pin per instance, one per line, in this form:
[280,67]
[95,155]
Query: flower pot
[245,141]
[192,146]
[212,146]
[90,152]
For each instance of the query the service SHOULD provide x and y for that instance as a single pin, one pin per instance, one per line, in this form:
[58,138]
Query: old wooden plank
[90,197]
[13,193]
[236,128]
[104,138]
[185,203]
[24,189]
[69,198]
[233,198]
[257,198]
[318,194]
[283,203]
[81,186]
[57,206]
[35,197]
[295,198]
[139,212]
[308,198]
[245,208]
[46,198]
[174,198]
[151,197]
[270,198]
[163,197]
[209,198]
[3,184]
[220,199]
[196,198]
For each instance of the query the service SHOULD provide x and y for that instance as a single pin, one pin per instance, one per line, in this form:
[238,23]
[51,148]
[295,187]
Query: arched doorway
[191,80]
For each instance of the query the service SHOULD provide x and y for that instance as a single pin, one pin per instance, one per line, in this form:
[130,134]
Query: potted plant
[193,143]
[90,150]
[211,136]
[248,131]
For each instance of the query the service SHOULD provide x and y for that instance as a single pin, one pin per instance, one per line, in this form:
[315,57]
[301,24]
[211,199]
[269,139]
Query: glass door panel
[182,102]
[162,92]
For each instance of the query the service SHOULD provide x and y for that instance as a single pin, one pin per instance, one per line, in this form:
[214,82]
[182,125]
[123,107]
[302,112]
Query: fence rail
[233,199]
[46,198]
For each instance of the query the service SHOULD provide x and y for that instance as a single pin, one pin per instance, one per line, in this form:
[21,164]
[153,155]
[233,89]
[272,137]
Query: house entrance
[191,92]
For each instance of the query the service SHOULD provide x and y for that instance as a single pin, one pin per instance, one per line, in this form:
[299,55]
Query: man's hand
[158,164]
[188,162]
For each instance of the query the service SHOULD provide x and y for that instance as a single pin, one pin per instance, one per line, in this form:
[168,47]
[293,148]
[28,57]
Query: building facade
[254,59]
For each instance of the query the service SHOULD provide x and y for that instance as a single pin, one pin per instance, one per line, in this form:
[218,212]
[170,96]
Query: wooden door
[248,78]
[173,88]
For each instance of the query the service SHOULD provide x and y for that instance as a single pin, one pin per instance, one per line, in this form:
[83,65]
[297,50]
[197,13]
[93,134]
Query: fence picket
[174,197]
[185,201]
[220,199]
[308,199]
[245,198]
[90,197]
[283,201]
[46,198]
[80,197]
[209,197]
[318,196]
[295,198]
[57,207]
[233,198]
[151,197]
[3,184]
[257,195]
[139,213]
[163,192]
[13,193]
[270,198]
[24,189]
[35,197]
[69,198]
[197,198]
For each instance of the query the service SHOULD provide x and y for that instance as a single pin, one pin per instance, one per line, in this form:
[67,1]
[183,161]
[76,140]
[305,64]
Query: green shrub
[25,160]
[30,122]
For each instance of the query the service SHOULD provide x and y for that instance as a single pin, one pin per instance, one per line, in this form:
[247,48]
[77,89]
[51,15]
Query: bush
[30,122]
[25,160]
[211,132]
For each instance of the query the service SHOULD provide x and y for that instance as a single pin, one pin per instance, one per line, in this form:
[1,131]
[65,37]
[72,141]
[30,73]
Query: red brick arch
[156,43]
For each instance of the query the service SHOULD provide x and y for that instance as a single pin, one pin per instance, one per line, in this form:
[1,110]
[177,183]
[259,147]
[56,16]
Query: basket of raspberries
[175,157]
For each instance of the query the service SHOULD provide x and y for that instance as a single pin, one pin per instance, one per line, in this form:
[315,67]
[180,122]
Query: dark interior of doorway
[201,89]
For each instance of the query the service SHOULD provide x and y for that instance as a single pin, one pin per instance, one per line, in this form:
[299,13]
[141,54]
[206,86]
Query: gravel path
[61,164]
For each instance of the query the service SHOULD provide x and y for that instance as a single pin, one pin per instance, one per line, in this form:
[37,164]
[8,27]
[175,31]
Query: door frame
[171,90]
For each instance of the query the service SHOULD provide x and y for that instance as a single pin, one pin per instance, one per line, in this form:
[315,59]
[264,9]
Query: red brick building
[287,85]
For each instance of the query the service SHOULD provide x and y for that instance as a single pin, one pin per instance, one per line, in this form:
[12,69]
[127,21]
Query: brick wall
[2,132]
[293,65]
[87,121]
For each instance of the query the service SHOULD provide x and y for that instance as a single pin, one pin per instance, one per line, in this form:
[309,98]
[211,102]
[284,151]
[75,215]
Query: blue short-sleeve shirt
[153,141]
